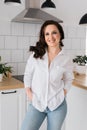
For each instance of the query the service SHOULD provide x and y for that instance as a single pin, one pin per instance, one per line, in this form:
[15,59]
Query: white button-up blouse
[47,83]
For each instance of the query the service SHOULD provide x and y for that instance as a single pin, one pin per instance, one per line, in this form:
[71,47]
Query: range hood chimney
[33,14]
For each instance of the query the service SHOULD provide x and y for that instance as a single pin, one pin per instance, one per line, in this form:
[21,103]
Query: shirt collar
[62,52]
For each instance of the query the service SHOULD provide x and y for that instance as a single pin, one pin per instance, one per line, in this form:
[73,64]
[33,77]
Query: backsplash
[15,39]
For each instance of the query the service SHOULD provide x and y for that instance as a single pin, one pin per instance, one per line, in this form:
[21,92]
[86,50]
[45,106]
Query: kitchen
[16,37]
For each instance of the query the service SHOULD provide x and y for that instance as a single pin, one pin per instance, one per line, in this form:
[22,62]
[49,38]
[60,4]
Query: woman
[47,79]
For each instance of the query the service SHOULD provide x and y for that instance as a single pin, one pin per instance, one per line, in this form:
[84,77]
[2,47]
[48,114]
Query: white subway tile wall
[17,29]
[5,28]
[10,42]
[17,56]
[29,29]
[15,39]
[1,42]
[5,55]
[23,42]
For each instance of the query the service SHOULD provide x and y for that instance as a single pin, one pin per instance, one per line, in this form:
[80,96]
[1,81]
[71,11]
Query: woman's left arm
[68,76]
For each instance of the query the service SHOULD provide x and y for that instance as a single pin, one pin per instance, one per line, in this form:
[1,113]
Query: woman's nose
[51,36]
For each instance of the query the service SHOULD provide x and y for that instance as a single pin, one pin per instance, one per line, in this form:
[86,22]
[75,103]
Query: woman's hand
[29,93]
[65,91]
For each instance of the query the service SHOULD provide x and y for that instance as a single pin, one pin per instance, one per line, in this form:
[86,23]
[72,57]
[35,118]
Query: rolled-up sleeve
[29,69]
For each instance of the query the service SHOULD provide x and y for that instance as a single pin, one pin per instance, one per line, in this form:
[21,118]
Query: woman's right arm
[29,69]
[29,93]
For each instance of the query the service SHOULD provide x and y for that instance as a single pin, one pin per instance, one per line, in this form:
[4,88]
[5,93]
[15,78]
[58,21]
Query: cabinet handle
[9,92]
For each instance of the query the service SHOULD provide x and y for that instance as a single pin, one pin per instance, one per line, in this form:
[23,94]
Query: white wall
[70,11]
[15,38]
[7,12]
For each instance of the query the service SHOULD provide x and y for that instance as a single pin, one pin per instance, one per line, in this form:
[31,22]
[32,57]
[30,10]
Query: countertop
[11,83]
[80,80]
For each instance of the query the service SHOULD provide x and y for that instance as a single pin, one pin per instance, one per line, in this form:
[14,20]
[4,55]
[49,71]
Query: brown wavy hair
[40,48]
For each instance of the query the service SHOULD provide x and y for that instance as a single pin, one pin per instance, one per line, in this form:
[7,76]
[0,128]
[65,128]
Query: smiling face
[52,36]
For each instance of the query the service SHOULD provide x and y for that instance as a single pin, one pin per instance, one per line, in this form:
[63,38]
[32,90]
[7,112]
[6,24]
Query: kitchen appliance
[33,14]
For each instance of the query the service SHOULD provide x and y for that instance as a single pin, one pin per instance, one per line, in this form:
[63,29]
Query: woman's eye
[46,34]
[54,32]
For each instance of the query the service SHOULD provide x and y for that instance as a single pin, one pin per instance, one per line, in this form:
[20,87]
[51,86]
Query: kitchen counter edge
[11,83]
[80,80]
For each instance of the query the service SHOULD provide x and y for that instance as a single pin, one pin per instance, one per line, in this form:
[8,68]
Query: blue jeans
[35,118]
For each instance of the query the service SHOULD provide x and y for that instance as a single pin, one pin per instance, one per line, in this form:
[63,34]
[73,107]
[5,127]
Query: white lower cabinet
[12,109]
[77,109]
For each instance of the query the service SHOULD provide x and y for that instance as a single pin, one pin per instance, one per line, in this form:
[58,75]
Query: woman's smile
[52,35]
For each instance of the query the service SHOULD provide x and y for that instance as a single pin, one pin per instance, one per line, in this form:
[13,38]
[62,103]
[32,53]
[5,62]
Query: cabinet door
[12,109]
[77,109]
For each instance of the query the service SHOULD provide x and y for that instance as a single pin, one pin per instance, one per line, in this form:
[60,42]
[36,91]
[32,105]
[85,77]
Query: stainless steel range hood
[33,14]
